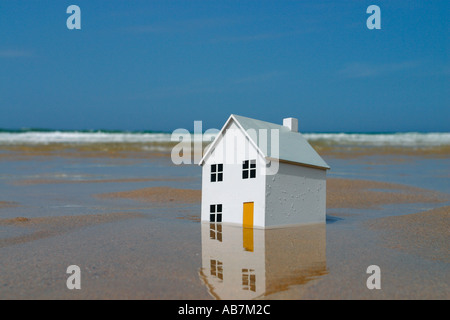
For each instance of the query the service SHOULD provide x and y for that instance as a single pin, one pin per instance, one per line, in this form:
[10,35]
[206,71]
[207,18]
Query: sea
[46,136]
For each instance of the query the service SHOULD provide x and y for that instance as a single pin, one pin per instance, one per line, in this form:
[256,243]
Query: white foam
[409,139]
[11,138]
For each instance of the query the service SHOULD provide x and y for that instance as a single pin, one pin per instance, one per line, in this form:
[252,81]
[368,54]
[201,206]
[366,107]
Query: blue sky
[160,65]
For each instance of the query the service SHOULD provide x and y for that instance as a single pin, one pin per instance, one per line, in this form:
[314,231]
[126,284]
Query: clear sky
[160,65]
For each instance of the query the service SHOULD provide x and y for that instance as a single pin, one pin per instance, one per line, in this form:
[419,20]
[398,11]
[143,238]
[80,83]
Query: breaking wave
[36,137]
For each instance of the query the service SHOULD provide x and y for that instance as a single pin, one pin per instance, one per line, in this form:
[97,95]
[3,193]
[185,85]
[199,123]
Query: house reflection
[247,263]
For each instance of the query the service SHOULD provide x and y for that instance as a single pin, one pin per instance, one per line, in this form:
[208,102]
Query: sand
[425,233]
[341,193]
[45,227]
[351,193]
[158,195]
[151,248]
[351,152]
[163,150]
[95,150]
[8,204]
[29,182]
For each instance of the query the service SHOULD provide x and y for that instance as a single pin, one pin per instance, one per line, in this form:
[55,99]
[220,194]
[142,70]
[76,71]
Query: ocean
[391,139]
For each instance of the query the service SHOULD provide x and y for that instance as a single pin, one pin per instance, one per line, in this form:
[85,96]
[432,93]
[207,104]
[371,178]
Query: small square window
[217,172]
[249,169]
[215,213]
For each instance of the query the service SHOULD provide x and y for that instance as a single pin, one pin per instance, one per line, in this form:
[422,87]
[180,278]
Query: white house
[260,174]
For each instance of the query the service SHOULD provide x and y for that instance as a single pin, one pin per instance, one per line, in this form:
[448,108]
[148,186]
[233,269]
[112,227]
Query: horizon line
[137,131]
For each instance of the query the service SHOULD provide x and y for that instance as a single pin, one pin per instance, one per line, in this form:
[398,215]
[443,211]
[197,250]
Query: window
[249,280]
[248,169]
[215,231]
[215,213]
[216,268]
[216,172]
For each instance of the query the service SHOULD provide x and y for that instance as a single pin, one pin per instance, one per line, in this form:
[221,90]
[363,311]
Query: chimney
[291,124]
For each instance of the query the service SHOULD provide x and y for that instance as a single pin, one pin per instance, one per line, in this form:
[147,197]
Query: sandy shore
[29,182]
[351,193]
[158,195]
[341,193]
[432,226]
[45,227]
[163,150]
[96,150]
[61,212]
[7,204]
[426,233]
[351,152]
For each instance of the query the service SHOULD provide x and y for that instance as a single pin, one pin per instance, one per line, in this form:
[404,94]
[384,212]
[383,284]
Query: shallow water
[161,252]
[428,173]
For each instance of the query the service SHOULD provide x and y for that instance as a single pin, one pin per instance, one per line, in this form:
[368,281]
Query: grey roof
[293,147]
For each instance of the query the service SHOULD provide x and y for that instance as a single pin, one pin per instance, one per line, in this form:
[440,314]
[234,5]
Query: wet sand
[341,193]
[162,150]
[98,150]
[352,193]
[426,233]
[45,227]
[66,181]
[6,204]
[158,195]
[351,152]
[140,237]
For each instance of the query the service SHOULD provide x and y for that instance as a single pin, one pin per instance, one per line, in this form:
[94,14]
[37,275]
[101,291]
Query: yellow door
[248,215]
[247,224]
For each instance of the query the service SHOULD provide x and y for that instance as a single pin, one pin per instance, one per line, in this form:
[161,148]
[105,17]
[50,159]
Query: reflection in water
[247,263]
[247,239]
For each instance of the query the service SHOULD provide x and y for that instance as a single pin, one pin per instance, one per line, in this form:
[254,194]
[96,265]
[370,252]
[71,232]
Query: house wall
[295,195]
[233,191]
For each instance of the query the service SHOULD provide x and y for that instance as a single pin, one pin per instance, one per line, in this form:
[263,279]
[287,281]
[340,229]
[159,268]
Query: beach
[130,219]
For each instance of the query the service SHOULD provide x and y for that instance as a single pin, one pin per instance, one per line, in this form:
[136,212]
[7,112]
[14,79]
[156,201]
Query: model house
[261,174]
